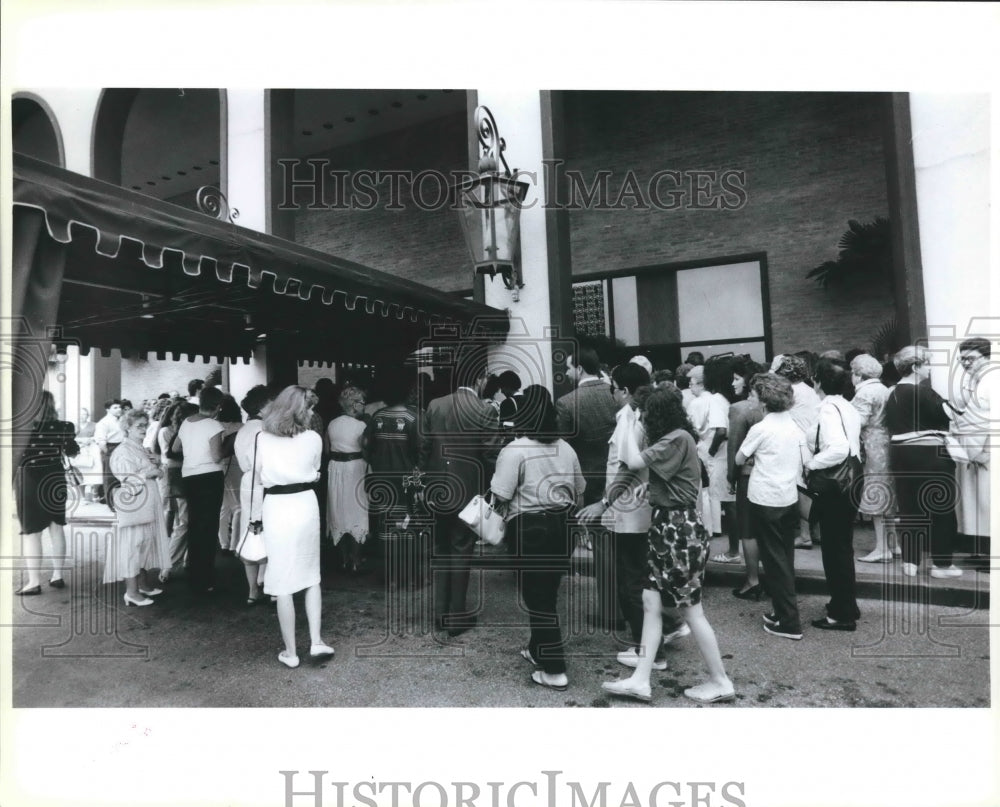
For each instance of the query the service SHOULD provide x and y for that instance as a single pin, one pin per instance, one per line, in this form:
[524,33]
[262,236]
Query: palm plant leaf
[865,254]
[887,340]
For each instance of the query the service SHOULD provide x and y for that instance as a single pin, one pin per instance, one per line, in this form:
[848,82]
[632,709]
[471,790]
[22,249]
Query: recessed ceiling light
[150,182]
[182,173]
[196,167]
[307,132]
[396,104]
[373,112]
[213,162]
[349,119]
[421,97]
[137,187]
[166,178]
[327,125]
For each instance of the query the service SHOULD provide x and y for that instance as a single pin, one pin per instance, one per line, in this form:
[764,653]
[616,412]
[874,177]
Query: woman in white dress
[709,413]
[878,492]
[140,542]
[251,490]
[229,517]
[288,458]
[347,499]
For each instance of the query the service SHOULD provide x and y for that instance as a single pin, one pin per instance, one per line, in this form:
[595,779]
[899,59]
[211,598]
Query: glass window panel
[626,310]
[719,302]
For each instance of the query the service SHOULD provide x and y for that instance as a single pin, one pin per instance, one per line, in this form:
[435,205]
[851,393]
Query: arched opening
[35,131]
[165,143]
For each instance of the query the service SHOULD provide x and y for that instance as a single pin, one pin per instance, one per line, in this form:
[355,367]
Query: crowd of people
[648,465]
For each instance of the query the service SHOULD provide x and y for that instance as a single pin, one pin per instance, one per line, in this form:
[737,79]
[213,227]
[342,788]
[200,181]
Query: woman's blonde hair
[866,366]
[908,358]
[290,413]
[348,395]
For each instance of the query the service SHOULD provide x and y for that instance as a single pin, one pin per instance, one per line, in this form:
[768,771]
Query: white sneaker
[910,569]
[950,571]
[681,632]
[630,658]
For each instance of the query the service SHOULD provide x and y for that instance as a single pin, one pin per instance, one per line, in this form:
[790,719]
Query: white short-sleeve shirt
[776,443]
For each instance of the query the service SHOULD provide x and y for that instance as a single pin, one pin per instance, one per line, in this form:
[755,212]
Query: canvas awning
[92,258]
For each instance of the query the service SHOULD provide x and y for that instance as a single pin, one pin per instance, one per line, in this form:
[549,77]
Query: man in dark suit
[586,418]
[457,434]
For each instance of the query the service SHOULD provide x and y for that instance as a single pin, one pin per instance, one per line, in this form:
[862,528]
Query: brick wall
[421,245]
[812,161]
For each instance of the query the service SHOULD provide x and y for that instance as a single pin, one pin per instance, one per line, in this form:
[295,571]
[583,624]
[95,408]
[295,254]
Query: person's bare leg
[637,685]
[286,622]
[718,687]
[57,534]
[31,549]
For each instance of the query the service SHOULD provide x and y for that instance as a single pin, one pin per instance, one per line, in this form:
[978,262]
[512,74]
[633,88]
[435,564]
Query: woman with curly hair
[778,449]
[140,541]
[805,413]
[288,458]
[678,546]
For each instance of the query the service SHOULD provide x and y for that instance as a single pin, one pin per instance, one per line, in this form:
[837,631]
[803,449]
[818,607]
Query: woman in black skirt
[926,489]
[41,491]
[678,546]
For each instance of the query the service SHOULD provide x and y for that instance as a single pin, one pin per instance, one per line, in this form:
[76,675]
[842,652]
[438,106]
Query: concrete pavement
[80,646]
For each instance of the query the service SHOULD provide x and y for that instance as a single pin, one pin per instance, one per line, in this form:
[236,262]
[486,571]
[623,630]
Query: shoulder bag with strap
[840,478]
[251,547]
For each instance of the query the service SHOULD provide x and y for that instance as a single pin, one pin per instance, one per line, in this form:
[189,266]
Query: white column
[243,376]
[528,350]
[246,181]
[246,190]
[951,155]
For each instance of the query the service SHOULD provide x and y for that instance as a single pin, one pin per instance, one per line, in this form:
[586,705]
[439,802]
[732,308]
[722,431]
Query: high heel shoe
[752,593]
[130,601]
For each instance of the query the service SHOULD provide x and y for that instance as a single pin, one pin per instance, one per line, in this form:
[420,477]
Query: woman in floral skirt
[678,546]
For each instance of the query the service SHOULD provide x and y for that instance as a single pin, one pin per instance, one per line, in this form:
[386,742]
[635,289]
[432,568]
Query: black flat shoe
[28,592]
[752,593]
[825,624]
[60,583]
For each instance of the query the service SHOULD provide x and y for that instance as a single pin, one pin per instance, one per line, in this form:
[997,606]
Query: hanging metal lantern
[490,208]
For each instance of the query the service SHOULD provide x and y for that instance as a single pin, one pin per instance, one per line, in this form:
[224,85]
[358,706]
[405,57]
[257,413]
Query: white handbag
[483,519]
